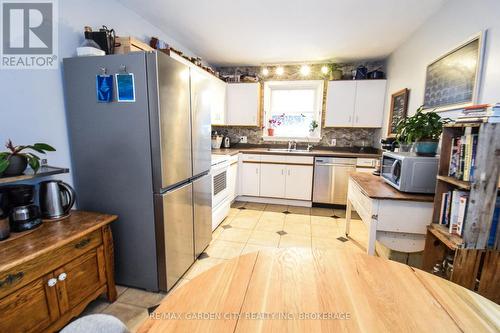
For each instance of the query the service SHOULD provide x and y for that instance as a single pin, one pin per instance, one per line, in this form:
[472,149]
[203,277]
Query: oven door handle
[393,169]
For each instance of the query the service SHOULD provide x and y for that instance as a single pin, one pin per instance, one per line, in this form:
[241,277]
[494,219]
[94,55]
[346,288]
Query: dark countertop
[319,151]
[376,188]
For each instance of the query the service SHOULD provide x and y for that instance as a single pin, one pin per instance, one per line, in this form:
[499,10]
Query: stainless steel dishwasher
[331,178]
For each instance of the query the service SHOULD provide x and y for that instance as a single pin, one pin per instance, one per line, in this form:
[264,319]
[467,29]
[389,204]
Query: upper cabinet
[355,103]
[242,104]
[218,108]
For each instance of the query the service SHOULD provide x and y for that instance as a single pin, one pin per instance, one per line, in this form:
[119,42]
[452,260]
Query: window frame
[316,85]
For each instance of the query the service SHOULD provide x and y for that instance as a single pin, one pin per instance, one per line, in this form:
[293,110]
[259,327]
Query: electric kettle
[56,199]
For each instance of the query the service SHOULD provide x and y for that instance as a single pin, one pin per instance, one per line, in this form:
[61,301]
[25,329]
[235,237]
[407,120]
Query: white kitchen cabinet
[242,104]
[250,179]
[272,180]
[232,180]
[340,103]
[356,103]
[370,102]
[299,182]
[218,106]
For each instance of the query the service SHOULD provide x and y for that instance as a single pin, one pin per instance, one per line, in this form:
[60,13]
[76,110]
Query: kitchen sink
[285,150]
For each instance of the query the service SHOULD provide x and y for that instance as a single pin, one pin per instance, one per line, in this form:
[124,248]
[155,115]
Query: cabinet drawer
[19,276]
[300,159]
[251,157]
[273,158]
[361,203]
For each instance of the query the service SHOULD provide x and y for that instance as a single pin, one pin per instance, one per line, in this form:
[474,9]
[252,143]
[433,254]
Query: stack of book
[483,113]
[463,156]
[453,210]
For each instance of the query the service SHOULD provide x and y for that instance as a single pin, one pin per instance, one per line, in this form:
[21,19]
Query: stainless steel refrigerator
[146,161]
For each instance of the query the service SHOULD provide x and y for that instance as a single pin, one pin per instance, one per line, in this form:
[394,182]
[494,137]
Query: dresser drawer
[251,157]
[22,274]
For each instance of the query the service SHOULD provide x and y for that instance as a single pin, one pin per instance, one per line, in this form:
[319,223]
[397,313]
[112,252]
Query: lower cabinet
[299,180]
[272,180]
[250,179]
[232,180]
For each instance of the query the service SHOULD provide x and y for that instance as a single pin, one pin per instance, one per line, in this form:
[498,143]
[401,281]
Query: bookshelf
[475,265]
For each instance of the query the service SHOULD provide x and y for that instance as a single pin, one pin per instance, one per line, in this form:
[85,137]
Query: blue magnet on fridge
[104,86]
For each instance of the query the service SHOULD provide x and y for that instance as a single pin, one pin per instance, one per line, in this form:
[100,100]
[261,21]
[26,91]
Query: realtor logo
[29,34]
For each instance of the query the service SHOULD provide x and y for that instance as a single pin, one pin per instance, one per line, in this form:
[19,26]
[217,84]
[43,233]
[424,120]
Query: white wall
[453,24]
[32,101]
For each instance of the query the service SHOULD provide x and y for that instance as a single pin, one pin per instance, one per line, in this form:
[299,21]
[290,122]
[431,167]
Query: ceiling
[254,32]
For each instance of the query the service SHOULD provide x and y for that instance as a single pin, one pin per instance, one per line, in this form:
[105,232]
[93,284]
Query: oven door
[220,190]
[391,170]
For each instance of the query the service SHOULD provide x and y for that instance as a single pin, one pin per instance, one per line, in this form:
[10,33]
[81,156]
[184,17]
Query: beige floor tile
[249,213]
[326,243]
[339,212]
[322,231]
[324,220]
[270,225]
[179,284]
[299,210]
[217,233]
[249,248]
[201,266]
[272,216]
[244,222]
[132,316]
[233,212]
[235,235]
[140,297]
[238,204]
[255,206]
[120,289]
[319,211]
[297,218]
[294,241]
[301,229]
[96,306]
[224,250]
[264,238]
[276,208]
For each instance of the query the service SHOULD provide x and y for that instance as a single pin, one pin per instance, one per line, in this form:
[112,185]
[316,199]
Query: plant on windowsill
[312,127]
[422,129]
[273,123]
[15,161]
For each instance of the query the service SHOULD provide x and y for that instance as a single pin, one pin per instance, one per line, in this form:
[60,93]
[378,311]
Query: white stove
[221,202]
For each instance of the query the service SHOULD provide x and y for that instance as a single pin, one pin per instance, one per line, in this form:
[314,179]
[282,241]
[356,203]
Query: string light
[280,70]
[324,69]
[265,71]
[305,70]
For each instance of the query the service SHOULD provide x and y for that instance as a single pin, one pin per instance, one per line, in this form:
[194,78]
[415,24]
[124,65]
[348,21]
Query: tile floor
[249,227]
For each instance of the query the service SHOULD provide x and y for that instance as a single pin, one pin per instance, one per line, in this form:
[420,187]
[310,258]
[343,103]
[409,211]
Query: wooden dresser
[50,274]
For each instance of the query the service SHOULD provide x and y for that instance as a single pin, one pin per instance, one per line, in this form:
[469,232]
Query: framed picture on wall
[452,81]
[398,111]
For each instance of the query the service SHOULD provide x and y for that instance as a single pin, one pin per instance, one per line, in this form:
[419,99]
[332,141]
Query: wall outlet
[243,139]
[333,143]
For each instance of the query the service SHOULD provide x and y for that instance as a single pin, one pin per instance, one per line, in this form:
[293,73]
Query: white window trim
[318,85]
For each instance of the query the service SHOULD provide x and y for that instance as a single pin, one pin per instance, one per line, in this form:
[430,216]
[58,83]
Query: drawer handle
[11,278]
[62,276]
[52,282]
[82,243]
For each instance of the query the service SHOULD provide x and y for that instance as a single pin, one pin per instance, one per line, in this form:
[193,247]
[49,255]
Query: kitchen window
[291,108]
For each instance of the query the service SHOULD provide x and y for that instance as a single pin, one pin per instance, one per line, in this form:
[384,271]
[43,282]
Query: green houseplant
[423,129]
[14,161]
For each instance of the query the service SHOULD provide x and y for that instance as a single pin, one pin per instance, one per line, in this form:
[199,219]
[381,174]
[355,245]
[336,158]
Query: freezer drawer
[177,219]
[202,197]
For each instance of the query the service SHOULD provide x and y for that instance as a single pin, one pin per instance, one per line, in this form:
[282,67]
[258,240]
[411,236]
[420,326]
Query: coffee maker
[24,214]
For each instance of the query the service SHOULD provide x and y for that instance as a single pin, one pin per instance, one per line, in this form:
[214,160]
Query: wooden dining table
[304,290]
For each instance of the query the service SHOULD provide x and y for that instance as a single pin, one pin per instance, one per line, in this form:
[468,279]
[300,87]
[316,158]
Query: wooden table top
[289,290]
[376,188]
[50,235]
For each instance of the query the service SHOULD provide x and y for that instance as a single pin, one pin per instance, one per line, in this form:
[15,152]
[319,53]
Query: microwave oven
[408,172]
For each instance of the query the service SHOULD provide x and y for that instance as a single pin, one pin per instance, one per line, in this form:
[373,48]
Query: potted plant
[313,126]
[273,123]
[14,161]
[404,142]
[424,129]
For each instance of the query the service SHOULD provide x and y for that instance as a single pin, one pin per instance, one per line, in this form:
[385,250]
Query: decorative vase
[405,147]
[426,148]
[270,132]
[17,165]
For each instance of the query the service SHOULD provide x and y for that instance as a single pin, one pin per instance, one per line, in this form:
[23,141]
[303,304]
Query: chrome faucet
[292,145]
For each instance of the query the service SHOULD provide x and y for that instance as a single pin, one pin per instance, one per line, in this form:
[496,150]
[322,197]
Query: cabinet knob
[62,276]
[52,282]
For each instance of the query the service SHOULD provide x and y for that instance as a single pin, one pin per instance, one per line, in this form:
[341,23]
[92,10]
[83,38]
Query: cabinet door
[80,278]
[232,176]
[250,179]
[31,308]
[340,103]
[272,180]
[369,107]
[218,111]
[243,104]
[299,182]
